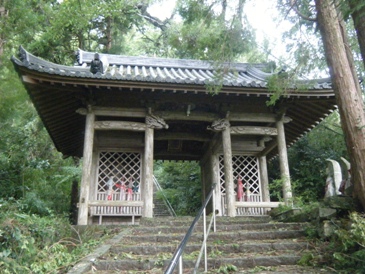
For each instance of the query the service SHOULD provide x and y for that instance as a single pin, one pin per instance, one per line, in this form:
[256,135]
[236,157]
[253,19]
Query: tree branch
[154,20]
[293,4]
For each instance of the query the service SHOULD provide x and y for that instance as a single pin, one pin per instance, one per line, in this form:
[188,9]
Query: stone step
[277,269]
[242,247]
[250,242]
[215,263]
[219,236]
[177,221]
[222,227]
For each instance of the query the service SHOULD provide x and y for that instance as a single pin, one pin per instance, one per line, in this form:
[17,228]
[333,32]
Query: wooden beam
[120,112]
[193,115]
[115,203]
[177,155]
[182,136]
[29,80]
[255,117]
[119,125]
[251,130]
[259,204]
[271,145]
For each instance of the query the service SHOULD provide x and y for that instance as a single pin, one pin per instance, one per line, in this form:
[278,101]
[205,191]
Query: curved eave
[82,77]
[57,92]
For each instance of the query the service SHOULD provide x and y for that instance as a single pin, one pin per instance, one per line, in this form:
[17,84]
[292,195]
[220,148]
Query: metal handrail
[178,252]
[159,188]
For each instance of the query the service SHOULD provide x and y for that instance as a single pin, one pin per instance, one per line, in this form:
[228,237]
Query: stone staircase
[160,208]
[246,244]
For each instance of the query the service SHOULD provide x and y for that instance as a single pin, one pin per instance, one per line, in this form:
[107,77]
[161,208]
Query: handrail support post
[205,240]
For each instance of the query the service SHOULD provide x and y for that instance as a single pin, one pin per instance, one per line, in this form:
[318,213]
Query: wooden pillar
[223,125]
[284,164]
[86,168]
[264,179]
[228,171]
[148,173]
[152,122]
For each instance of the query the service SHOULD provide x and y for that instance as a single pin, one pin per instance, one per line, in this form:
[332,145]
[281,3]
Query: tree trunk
[3,13]
[358,16]
[108,34]
[348,96]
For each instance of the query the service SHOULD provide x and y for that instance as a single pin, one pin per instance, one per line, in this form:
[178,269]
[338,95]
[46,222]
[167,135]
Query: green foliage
[181,184]
[33,244]
[345,250]
[278,84]
[227,268]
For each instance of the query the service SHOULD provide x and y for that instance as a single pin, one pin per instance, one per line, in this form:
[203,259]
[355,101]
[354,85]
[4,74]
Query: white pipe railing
[178,252]
[159,188]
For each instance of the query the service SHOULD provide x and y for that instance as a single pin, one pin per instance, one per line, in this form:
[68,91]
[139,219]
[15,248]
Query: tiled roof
[166,86]
[160,70]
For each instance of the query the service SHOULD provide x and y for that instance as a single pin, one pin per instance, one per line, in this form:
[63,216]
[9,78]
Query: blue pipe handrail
[184,241]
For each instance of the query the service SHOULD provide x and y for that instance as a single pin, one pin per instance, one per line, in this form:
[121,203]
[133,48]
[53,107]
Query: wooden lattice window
[119,172]
[247,168]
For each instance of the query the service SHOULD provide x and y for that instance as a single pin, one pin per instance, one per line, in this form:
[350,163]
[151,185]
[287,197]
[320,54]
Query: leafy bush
[350,245]
[30,243]
[344,251]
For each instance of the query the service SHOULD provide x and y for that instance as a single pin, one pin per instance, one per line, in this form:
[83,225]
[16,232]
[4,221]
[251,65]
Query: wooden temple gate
[121,113]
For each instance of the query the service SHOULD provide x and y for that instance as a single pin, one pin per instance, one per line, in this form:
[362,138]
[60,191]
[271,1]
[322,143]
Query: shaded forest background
[36,181]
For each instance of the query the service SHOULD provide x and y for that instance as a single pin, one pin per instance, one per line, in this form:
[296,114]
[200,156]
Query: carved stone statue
[334,178]
[346,185]
[96,64]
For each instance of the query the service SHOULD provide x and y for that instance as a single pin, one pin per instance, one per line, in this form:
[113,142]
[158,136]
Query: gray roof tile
[162,70]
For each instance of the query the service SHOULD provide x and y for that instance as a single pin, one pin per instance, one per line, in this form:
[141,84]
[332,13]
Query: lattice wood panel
[119,176]
[247,168]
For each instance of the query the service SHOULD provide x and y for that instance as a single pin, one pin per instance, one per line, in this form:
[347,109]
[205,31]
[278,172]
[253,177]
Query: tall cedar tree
[348,95]
[358,16]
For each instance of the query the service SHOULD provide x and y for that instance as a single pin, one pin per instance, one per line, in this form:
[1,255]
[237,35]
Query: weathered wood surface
[181,115]
[86,169]
[119,125]
[147,186]
[284,163]
[115,203]
[251,130]
[228,171]
[264,179]
[182,136]
[259,204]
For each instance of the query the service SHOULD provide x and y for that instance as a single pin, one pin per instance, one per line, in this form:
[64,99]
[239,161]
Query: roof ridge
[115,59]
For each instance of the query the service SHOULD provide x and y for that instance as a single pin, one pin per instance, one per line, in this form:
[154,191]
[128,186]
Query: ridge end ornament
[219,125]
[155,122]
